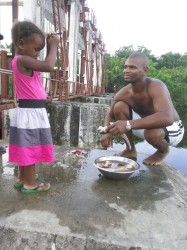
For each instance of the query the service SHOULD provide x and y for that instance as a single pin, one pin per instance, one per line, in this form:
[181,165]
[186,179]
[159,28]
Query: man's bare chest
[142,105]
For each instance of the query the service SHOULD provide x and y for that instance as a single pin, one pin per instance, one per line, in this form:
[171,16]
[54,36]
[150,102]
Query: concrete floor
[86,211]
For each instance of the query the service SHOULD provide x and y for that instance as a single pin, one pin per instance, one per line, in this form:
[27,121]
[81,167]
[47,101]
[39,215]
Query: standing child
[30,133]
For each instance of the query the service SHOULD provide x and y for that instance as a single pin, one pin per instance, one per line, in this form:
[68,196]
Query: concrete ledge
[86,211]
[16,239]
[76,123]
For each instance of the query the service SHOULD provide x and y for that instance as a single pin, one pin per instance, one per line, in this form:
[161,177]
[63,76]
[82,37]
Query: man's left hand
[117,128]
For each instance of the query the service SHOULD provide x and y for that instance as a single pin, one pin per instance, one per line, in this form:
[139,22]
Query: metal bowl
[121,167]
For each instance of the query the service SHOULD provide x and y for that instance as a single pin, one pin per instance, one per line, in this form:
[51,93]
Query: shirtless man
[144,108]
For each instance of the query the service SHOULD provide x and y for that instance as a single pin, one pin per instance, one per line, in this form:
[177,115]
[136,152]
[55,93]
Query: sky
[6,21]
[159,25]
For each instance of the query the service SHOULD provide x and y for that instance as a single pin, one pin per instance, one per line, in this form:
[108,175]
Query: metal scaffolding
[81,64]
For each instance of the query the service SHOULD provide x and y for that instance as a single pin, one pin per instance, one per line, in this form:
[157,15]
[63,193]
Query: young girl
[30,133]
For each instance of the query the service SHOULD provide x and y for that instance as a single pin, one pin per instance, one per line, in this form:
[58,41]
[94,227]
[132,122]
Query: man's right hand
[106,140]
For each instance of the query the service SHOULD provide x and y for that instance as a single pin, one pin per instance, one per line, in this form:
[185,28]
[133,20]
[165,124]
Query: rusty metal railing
[55,89]
[67,90]
[7,93]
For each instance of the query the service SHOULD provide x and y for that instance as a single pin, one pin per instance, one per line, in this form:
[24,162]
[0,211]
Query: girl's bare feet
[19,183]
[34,185]
[39,187]
[19,180]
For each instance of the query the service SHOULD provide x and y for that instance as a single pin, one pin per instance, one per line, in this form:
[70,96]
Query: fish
[116,166]
[102,130]
[104,164]
[123,169]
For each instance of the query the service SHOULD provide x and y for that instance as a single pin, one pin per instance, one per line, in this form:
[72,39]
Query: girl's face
[31,46]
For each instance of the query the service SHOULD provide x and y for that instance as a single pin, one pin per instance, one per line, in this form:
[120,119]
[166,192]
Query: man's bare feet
[156,159]
[131,154]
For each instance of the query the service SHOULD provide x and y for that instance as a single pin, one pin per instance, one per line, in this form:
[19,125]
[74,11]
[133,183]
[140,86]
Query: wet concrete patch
[84,210]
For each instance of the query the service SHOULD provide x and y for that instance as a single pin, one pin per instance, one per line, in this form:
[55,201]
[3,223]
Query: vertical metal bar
[4,76]
[2,125]
[14,18]
[63,54]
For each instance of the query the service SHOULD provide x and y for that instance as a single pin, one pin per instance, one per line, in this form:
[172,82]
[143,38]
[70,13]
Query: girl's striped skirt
[30,140]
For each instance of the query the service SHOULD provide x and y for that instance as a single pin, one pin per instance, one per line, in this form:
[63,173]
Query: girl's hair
[23,30]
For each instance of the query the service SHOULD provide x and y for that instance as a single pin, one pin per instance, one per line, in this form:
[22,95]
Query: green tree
[169,60]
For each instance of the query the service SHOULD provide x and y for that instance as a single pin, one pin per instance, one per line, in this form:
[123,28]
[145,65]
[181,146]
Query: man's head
[136,67]
[142,58]
[1,37]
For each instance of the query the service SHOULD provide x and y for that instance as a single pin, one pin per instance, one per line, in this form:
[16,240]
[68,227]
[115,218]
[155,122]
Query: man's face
[134,70]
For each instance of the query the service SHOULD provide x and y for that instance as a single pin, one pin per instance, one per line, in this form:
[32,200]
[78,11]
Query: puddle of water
[177,157]
[8,171]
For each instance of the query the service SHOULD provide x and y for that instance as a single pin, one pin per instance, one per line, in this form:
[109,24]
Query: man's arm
[119,96]
[106,138]
[109,117]
[163,113]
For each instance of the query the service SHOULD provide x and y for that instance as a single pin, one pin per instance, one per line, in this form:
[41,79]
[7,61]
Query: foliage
[171,60]
[6,46]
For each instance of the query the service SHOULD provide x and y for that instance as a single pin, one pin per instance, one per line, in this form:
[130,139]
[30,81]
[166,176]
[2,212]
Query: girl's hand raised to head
[53,38]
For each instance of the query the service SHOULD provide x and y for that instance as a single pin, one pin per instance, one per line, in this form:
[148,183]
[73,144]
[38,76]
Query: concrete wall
[7,114]
[75,123]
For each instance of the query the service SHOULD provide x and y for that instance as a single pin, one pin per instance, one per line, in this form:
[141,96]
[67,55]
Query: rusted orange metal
[7,101]
[57,85]
[4,76]
[7,91]
[56,89]
[62,58]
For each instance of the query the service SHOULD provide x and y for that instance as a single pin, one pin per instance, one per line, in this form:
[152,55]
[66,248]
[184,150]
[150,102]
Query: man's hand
[106,140]
[117,128]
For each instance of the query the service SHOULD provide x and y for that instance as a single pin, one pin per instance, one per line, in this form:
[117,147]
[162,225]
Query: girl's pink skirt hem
[25,156]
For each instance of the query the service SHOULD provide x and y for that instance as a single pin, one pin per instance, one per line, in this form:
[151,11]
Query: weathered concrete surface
[85,211]
[76,122]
